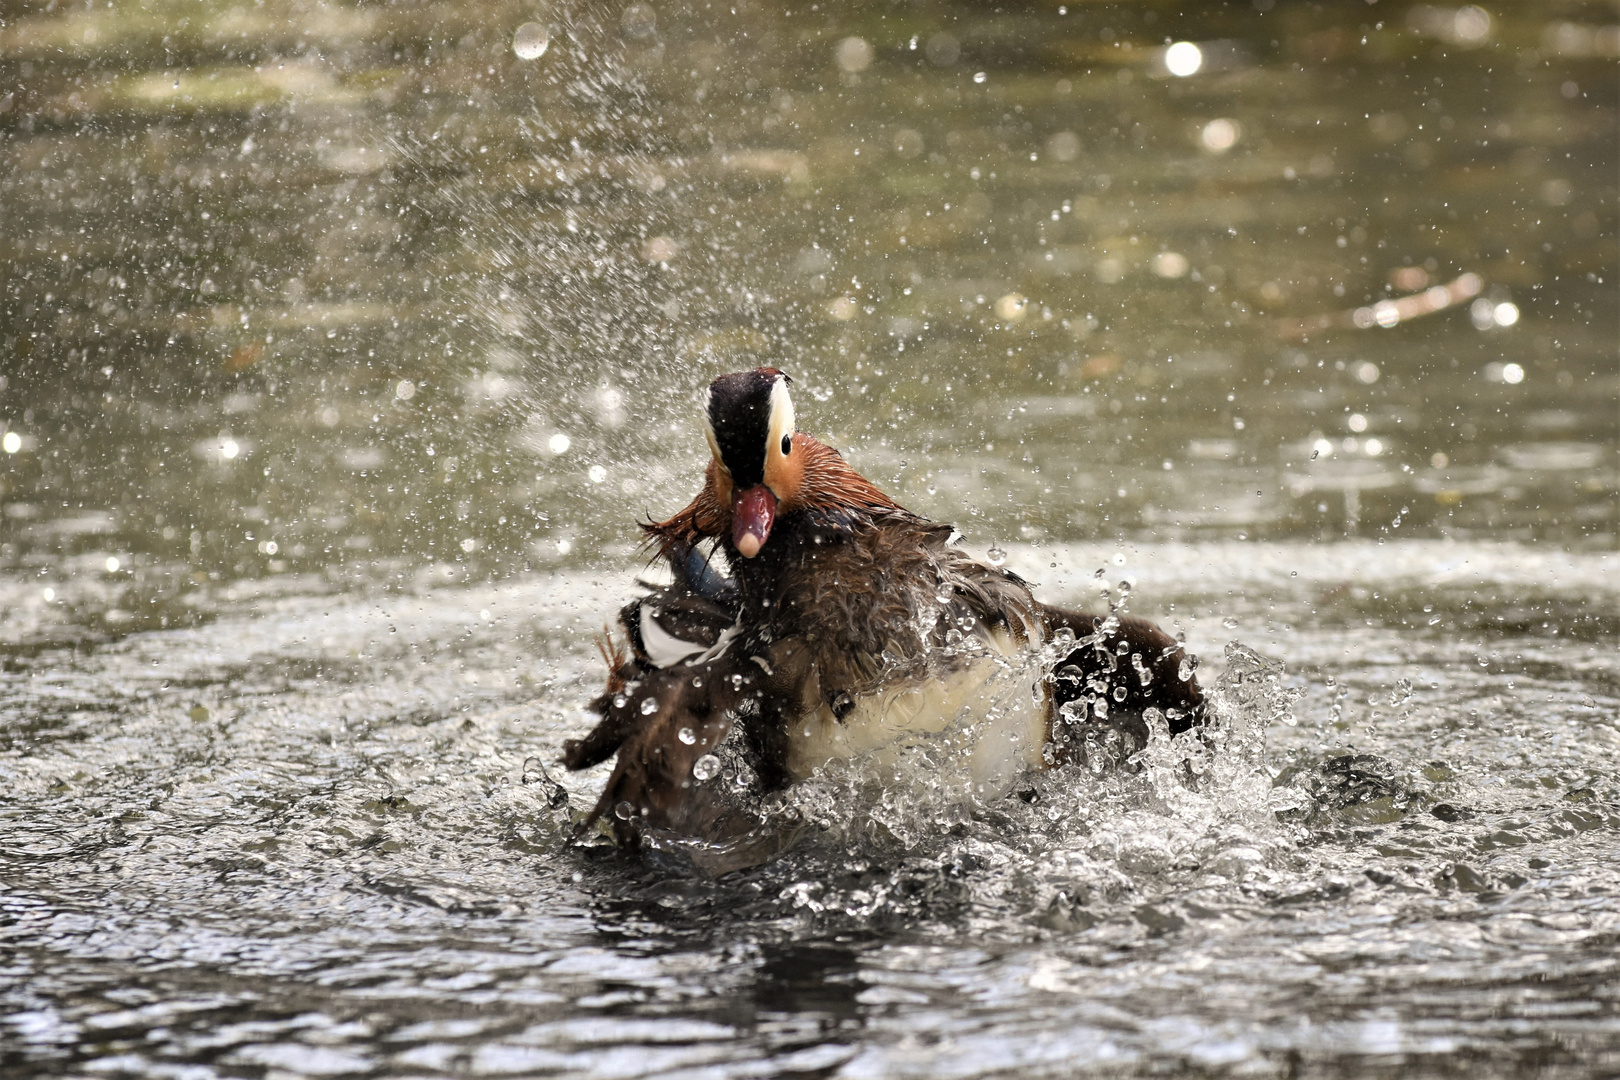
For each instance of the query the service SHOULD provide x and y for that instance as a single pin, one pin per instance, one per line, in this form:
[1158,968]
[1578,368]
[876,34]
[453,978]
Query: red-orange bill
[752,513]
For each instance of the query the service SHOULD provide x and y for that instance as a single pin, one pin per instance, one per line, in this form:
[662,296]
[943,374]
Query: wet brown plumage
[846,596]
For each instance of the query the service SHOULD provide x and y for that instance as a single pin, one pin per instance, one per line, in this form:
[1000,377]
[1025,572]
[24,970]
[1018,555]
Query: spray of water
[907,834]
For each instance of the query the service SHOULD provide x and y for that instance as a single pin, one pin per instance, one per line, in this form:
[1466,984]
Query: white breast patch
[986,714]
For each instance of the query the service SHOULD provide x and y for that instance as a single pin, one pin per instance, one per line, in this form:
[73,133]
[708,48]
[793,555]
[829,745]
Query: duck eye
[787,445]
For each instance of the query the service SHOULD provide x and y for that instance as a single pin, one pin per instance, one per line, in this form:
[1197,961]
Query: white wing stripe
[663,648]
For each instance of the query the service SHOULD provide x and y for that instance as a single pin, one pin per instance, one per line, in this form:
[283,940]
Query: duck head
[758,468]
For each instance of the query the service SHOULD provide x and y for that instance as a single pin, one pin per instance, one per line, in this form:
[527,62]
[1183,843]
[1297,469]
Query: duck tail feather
[604,740]
[614,655]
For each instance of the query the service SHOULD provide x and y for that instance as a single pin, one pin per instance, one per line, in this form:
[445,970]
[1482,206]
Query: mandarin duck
[841,625]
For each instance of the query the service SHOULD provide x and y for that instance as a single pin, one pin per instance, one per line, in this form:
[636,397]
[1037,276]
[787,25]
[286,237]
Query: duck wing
[666,723]
[667,627]
[1120,667]
[685,619]
[681,771]
[672,626]
[1127,664]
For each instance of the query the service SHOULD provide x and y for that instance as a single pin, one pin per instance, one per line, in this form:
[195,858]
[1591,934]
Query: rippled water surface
[340,346]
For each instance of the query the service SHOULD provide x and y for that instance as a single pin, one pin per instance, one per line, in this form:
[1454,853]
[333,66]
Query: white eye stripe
[782,418]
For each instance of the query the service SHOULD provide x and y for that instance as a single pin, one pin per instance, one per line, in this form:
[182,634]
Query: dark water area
[342,345]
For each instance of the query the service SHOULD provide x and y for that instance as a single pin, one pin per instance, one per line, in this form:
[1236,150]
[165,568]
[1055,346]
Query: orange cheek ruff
[784,474]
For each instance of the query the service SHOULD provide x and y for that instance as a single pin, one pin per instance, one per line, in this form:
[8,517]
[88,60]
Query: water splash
[1072,845]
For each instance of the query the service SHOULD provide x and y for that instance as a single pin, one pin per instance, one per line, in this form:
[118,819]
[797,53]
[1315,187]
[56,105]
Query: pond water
[342,345]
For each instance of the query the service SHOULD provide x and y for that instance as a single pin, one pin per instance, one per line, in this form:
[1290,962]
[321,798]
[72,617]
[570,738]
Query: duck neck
[794,542]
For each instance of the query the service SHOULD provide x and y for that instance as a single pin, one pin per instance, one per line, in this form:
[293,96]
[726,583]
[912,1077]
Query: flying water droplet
[1183,59]
[686,736]
[1096,756]
[706,767]
[534,774]
[639,22]
[1220,135]
[623,811]
[531,41]
[649,706]
[854,54]
[1230,622]
[1143,674]
[996,556]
